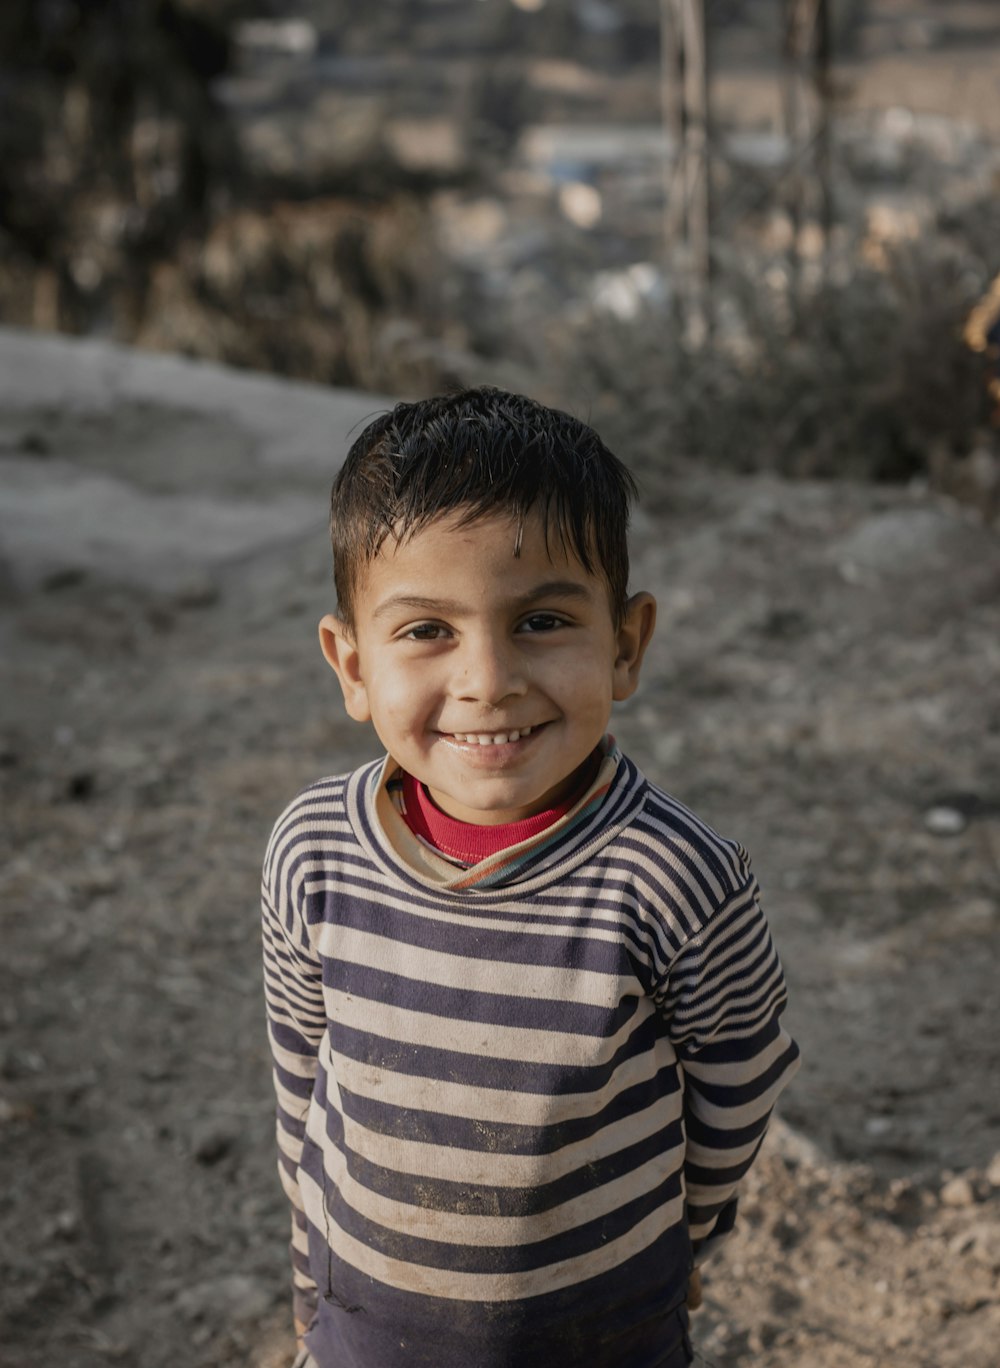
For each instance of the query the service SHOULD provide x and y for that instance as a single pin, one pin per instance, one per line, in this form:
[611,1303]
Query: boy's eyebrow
[565,589]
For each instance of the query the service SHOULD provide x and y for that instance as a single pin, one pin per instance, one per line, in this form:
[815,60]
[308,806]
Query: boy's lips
[501,736]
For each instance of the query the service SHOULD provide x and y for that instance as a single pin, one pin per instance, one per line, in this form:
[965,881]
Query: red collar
[470,842]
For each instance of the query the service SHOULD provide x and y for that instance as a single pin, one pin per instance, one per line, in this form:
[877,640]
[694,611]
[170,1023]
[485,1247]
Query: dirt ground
[823,685]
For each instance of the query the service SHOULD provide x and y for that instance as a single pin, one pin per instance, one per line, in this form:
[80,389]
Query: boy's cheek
[394,714]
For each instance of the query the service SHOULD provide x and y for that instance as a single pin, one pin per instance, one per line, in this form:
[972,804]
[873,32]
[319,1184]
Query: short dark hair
[481,451]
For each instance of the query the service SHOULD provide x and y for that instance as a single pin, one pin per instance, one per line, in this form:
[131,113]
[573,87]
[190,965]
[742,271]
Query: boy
[524,1007]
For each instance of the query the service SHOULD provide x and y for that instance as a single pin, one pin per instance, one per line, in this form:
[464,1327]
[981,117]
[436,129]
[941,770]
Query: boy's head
[477,453]
[481,568]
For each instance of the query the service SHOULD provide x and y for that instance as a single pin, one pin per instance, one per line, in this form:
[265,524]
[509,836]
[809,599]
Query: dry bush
[869,378]
[295,289]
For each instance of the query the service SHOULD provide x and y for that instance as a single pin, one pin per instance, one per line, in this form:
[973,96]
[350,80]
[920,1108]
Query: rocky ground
[823,685]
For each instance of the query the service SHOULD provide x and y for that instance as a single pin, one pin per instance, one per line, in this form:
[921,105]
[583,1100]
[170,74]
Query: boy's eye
[425,631]
[542,622]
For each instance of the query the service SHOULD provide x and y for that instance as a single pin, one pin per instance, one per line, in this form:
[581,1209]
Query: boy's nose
[489,672]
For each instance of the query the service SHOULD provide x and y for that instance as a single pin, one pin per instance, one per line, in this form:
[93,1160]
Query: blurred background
[756,243]
[706,222]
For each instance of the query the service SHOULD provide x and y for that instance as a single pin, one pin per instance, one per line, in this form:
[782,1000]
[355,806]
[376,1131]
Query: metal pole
[696,128]
[823,56]
[684,105]
[808,91]
[672,117]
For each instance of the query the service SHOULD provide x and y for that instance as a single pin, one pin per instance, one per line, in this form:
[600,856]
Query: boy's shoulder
[673,834]
[319,812]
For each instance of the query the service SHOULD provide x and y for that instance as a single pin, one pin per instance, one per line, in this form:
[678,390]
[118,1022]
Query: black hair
[481,452]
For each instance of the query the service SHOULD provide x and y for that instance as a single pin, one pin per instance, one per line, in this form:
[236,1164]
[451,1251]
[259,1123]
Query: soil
[822,685]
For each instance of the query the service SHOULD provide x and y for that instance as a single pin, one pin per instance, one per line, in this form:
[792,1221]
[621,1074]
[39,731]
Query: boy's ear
[633,637]
[338,645]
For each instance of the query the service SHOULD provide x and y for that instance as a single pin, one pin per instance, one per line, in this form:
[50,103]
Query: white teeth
[492,738]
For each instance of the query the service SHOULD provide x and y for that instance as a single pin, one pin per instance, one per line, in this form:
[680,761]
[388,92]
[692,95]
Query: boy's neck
[471,842]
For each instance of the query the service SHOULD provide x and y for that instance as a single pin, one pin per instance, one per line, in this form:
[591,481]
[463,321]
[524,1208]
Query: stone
[235,1297]
[197,592]
[958,1192]
[878,1125]
[944,821]
[99,881]
[213,1143]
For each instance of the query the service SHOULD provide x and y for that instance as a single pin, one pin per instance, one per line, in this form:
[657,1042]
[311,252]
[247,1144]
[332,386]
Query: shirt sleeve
[723,1000]
[296,1021]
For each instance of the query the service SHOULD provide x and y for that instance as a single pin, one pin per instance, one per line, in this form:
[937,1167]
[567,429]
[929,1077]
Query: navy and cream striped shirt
[514,1101]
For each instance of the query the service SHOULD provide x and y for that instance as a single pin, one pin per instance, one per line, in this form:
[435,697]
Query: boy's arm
[724,997]
[296,1021]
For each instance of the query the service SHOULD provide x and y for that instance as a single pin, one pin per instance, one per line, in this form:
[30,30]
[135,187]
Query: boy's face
[488,677]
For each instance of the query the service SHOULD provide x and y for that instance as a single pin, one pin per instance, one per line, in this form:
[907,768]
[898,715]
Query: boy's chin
[497,803]
[486,814]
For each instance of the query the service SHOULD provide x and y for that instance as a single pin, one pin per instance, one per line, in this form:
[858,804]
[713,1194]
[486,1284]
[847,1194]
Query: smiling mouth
[497,738]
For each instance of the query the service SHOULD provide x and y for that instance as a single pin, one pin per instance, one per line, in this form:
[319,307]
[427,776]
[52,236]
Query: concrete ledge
[132,468]
[293,424]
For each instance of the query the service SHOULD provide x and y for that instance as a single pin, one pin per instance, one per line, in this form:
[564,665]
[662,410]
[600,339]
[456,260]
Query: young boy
[524,1006]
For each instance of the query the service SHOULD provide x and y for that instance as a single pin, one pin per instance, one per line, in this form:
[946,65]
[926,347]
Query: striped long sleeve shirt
[514,1101]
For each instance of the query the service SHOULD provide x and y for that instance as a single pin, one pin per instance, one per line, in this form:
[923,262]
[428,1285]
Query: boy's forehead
[452,548]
